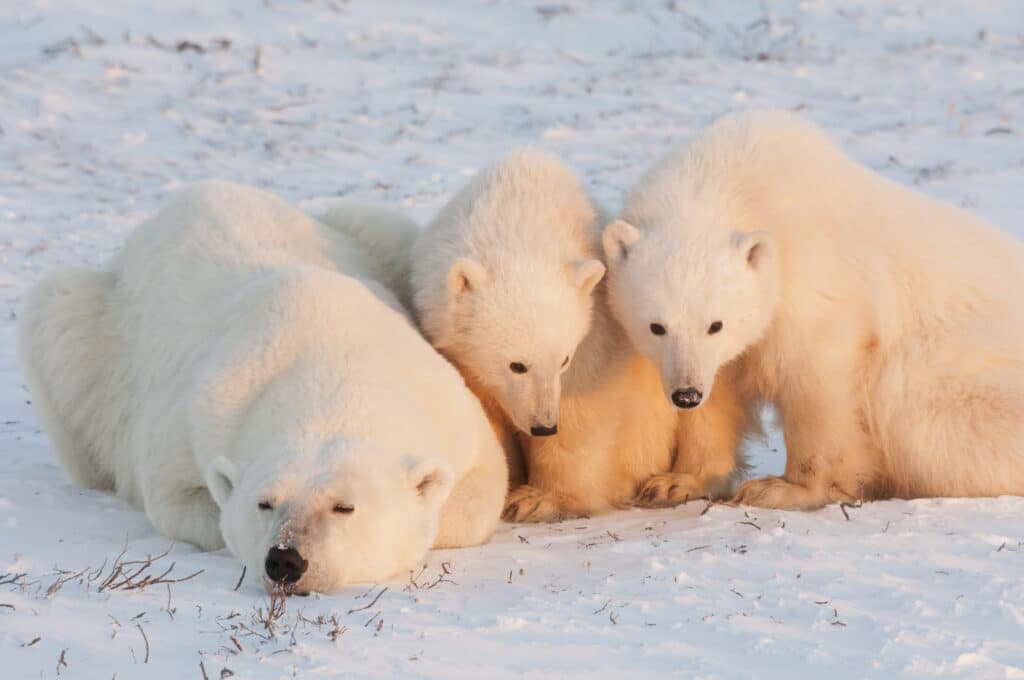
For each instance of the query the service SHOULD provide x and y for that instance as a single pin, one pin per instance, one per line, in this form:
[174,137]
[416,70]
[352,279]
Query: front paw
[668,489]
[529,504]
[778,493]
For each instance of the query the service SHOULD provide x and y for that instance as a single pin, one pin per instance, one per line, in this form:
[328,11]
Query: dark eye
[265,505]
[517,367]
[343,509]
[657,329]
[714,327]
[565,363]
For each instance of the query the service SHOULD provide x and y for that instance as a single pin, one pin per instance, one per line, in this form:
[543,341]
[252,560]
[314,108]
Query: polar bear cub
[506,284]
[884,325]
[237,373]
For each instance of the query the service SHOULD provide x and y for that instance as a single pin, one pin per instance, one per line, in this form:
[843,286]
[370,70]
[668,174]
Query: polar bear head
[345,513]
[515,328]
[691,301]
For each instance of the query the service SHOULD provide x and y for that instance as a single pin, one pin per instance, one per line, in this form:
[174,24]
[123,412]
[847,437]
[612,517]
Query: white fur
[511,239]
[884,325]
[384,234]
[227,356]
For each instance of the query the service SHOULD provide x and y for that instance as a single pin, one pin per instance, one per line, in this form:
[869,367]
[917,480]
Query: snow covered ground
[107,106]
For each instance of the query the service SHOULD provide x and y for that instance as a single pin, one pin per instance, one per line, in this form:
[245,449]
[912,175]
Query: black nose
[543,431]
[688,398]
[285,565]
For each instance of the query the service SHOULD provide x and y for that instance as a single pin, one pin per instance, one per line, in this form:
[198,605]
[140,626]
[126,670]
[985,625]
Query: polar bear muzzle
[285,565]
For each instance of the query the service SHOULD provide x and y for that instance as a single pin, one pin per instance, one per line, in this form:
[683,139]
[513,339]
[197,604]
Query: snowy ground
[105,107]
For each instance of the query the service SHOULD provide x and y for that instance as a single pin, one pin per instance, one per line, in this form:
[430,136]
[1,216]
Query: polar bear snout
[689,397]
[284,564]
[544,430]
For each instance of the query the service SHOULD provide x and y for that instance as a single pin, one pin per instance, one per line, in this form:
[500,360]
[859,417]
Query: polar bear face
[515,331]
[346,514]
[691,305]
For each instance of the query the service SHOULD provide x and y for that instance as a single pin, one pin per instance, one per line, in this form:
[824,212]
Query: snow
[106,107]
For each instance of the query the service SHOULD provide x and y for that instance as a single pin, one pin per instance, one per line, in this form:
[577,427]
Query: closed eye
[343,509]
[565,363]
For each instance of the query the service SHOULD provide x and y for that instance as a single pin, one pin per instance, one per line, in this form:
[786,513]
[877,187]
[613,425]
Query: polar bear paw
[668,489]
[781,494]
[529,504]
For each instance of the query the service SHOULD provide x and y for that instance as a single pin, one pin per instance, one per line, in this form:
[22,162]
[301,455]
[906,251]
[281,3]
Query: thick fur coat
[885,326]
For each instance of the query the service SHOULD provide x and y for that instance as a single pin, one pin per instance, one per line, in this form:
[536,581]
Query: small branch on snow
[359,609]
[275,610]
[144,639]
[9,579]
[844,506]
[240,579]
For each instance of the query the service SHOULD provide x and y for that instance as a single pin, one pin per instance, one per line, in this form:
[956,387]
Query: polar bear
[506,285]
[882,324]
[236,373]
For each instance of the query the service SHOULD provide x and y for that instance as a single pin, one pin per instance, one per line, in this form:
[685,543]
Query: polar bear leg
[473,509]
[830,457]
[709,459]
[183,512]
[951,415]
[68,351]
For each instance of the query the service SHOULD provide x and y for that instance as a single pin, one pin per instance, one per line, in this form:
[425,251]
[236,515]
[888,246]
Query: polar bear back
[868,238]
[226,276]
[330,358]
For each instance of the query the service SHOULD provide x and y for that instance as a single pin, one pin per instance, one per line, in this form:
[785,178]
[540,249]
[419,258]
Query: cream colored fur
[237,352]
[884,325]
[509,273]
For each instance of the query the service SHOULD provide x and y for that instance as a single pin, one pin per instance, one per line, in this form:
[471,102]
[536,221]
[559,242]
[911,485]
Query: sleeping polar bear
[237,373]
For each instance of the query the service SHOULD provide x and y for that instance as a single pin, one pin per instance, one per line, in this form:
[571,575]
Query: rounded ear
[757,247]
[221,477]
[465,274]
[617,239]
[587,274]
[433,479]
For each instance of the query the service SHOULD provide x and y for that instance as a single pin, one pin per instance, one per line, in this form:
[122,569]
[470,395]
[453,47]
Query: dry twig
[359,609]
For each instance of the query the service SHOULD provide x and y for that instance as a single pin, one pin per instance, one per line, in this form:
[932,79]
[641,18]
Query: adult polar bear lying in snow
[227,374]
[886,326]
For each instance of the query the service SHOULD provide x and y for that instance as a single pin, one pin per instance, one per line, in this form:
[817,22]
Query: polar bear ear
[464,275]
[757,247]
[221,477]
[587,274]
[617,239]
[432,479]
